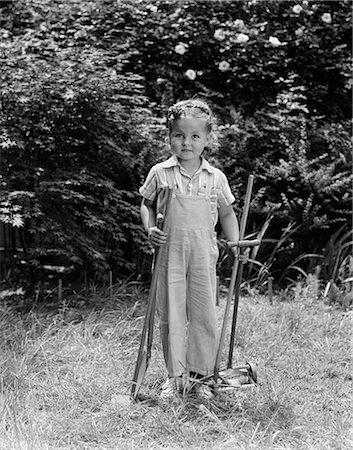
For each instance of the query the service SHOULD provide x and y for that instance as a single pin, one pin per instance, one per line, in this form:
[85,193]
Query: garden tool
[144,354]
[242,376]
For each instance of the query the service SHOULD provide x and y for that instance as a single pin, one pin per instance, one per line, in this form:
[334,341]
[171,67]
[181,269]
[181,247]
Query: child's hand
[156,236]
[241,253]
[244,255]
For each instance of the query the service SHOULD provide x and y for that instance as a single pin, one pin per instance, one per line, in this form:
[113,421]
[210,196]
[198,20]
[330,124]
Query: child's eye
[195,136]
[178,135]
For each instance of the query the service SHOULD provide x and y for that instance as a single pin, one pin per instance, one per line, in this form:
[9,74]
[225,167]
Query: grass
[65,380]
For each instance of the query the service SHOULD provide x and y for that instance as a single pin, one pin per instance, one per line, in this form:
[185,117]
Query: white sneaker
[170,389]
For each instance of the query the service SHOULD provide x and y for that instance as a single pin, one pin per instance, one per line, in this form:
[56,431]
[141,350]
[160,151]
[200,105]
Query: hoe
[144,354]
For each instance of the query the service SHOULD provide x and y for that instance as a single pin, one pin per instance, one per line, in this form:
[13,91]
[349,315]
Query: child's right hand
[156,236]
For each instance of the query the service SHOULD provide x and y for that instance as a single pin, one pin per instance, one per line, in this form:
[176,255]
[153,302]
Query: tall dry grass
[65,384]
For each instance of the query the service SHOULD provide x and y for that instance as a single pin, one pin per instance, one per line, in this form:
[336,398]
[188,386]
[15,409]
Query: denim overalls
[186,293]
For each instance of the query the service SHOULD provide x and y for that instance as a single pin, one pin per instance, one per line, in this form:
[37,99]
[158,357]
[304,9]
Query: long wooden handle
[235,315]
[244,217]
[240,271]
[245,243]
[233,277]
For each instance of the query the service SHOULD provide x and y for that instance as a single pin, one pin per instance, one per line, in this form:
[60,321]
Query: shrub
[278,76]
[69,128]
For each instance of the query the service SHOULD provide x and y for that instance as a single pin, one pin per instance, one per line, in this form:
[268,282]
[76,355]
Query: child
[186,293]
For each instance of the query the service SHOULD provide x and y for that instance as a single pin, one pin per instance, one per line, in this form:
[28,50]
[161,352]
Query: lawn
[65,380]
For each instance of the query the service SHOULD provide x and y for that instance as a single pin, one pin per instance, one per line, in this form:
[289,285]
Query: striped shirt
[207,181]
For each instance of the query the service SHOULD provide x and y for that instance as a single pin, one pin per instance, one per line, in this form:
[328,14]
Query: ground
[65,381]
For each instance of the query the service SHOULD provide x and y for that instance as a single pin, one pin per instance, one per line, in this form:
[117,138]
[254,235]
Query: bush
[277,74]
[77,128]
[71,130]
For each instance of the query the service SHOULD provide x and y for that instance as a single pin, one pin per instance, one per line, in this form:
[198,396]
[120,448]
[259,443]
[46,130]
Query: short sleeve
[149,188]
[225,196]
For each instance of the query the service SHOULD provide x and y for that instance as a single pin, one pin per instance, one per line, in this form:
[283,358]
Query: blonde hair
[195,108]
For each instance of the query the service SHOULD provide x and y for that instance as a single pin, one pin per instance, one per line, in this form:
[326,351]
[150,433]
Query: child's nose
[187,141]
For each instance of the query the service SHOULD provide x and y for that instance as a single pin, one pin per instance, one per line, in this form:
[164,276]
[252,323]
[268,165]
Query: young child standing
[186,293]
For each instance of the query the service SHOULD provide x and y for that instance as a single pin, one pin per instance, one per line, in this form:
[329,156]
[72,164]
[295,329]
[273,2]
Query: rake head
[237,378]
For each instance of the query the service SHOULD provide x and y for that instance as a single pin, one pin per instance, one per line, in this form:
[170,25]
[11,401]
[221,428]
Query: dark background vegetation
[84,88]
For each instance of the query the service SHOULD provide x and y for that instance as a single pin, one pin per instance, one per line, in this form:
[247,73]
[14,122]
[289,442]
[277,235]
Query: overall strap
[213,193]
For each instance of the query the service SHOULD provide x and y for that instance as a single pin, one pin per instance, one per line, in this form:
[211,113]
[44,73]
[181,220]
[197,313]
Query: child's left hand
[241,253]
[244,256]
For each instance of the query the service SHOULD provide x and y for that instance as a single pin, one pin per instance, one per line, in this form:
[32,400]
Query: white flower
[113,74]
[223,66]
[242,38]
[299,32]
[274,41]
[80,34]
[69,94]
[297,9]
[191,74]
[239,23]
[326,17]
[219,34]
[180,48]
[153,8]
[349,84]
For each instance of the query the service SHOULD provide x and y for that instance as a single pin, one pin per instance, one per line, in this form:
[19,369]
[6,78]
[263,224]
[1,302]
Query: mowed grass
[65,385]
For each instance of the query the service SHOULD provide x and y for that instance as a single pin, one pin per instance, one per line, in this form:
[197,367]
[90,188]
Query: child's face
[188,138]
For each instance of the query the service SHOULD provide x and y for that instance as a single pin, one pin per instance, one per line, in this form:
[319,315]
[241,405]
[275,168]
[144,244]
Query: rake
[245,375]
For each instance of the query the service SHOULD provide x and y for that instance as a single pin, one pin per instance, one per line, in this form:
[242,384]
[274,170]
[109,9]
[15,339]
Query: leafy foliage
[83,95]
[269,69]
[278,76]
[69,141]
[259,44]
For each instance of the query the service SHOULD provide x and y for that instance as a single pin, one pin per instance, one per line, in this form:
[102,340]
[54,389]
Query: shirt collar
[173,161]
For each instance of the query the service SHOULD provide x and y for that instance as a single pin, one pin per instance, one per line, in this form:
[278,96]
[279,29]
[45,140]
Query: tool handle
[159,220]
[245,243]
[235,316]
[244,216]
[244,219]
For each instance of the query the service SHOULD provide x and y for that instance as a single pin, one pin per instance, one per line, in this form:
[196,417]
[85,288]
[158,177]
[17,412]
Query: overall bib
[186,293]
